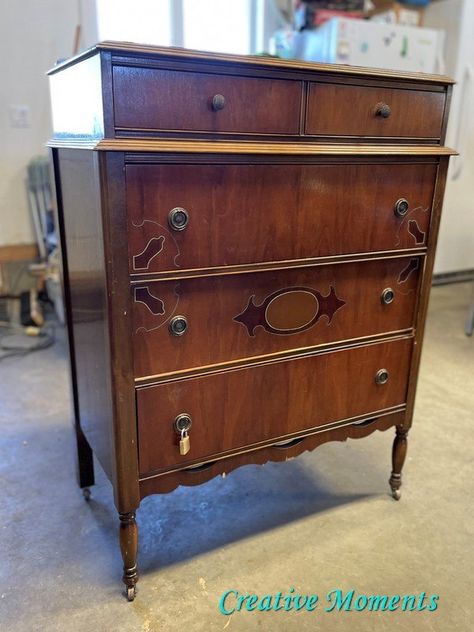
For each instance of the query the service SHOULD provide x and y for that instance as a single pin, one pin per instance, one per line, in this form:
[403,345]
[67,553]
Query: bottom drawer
[244,407]
[198,474]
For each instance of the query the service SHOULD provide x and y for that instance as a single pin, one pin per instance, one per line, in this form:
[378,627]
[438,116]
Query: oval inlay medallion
[291,310]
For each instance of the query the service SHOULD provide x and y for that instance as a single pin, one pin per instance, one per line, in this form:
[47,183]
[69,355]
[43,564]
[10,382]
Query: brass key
[184,443]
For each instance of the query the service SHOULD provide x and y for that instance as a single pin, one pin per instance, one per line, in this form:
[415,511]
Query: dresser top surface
[262,62]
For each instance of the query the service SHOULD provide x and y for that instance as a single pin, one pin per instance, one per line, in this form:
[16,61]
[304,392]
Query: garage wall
[33,35]
[456,239]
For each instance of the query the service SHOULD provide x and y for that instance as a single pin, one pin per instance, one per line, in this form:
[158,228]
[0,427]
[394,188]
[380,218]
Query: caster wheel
[397,494]
[130,593]
[86,492]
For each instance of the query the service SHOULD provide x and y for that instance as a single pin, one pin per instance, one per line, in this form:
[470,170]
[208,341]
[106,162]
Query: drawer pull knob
[388,296]
[381,377]
[178,218]
[218,102]
[401,207]
[383,110]
[178,325]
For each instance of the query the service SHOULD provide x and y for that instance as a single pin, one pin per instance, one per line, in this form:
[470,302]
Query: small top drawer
[155,99]
[348,110]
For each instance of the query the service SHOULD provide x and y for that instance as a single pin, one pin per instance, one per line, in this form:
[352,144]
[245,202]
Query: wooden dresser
[247,247]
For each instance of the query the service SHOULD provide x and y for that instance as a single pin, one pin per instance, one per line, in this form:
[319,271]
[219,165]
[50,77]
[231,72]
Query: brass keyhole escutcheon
[401,207]
[178,325]
[178,218]
[381,377]
[387,296]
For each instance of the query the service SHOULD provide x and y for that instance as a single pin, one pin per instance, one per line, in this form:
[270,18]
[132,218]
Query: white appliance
[366,43]
[455,251]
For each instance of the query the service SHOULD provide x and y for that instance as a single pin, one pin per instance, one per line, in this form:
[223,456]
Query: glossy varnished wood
[77,174]
[290,190]
[148,98]
[217,332]
[414,113]
[244,407]
[256,213]
[197,475]
[124,431]
[133,50]
[137,145]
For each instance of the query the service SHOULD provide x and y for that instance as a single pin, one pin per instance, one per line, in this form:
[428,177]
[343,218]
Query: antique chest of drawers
[247,248]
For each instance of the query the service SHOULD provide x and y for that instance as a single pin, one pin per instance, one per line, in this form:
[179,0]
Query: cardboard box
[396,13]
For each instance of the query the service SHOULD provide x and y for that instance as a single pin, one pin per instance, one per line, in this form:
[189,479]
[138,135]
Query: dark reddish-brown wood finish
[163,483]
[243,214]
[290,179]
[216,311]
[80,216]
[244,407]
[352,111]
[150,98]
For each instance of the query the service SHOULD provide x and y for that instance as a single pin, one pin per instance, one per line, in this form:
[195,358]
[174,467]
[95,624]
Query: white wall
[33,35]
[456,239]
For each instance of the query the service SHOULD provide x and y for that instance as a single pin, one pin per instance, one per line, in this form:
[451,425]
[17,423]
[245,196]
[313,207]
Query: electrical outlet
[19,116]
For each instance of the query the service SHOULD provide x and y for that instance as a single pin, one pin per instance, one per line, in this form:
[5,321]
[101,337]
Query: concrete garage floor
[322,521]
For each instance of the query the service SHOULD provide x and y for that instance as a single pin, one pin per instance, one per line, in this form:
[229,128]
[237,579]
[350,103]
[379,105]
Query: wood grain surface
[351,111]
[240,408]
[211,306]
[255,213]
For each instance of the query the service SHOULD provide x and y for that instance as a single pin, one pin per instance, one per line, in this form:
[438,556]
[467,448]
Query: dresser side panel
[77,101]
[81,216]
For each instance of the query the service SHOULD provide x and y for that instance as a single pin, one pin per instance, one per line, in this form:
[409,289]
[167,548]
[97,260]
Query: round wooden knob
[383,110]
[178,325]
[218,102]
[381,377]
[178,218]
[387,296]
[401,207]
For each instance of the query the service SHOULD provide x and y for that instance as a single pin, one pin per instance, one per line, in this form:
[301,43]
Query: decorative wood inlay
[151,250]
[154,304]
[417,233]
[408,269]
[289,311]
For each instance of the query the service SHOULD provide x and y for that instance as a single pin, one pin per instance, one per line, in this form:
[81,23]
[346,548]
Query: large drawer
[244,407]
[244,214]
[154,99]
[198,322]
[363,111]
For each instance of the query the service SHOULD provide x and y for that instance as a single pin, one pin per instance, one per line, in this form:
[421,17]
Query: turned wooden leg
[399,452]
[85,463]
[128,547]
